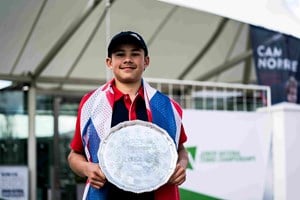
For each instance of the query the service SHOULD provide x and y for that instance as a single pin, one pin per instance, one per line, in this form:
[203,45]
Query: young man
[126,97]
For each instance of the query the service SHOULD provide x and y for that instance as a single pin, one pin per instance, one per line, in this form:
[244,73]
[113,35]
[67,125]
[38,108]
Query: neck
[128,88]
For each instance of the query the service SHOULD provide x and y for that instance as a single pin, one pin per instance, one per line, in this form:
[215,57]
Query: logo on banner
[212,156]
[192,156]
[272,58]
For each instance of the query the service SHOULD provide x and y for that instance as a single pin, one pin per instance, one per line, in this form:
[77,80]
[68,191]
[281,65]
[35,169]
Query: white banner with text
[228,154]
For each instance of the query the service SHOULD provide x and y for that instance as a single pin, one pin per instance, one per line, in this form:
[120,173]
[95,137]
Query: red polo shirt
[166,192]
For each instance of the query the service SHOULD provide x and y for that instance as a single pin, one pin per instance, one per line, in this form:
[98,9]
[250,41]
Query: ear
[146,62]
[108,62]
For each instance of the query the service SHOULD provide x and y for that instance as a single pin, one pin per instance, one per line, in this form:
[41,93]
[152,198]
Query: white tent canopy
[64,41]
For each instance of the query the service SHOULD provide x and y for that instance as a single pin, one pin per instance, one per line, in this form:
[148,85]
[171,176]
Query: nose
[127,59]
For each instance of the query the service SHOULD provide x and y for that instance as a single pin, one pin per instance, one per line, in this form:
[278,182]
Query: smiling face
[128,63]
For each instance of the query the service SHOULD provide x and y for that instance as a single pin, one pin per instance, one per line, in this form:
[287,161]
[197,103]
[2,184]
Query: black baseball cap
[126,37]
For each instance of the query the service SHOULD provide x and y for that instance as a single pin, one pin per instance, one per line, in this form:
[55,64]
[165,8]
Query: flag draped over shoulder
[95,125]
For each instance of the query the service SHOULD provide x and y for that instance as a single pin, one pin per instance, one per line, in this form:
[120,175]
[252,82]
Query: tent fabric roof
[59,43]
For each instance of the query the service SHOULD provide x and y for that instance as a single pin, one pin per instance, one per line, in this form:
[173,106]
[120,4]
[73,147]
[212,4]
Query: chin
[129,80]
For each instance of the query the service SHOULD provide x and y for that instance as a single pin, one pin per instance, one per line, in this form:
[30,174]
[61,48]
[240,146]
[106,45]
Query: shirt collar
[118,94]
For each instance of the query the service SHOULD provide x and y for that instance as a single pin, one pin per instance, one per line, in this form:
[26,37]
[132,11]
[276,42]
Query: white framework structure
[214,95]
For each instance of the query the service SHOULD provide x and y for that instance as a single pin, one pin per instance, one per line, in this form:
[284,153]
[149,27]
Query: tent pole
[225,66]
[31,146]
[205,49]
[108,71]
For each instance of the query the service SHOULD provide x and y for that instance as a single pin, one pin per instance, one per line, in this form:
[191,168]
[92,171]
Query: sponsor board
[228,155]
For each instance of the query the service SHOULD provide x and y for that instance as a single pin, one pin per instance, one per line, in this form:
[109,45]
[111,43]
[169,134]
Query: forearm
[78,163]
[83,168]
[182,156]
[179,175]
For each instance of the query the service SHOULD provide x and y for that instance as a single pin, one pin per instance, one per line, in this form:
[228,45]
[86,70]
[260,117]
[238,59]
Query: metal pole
[108,71]
[56,151]
[31,149]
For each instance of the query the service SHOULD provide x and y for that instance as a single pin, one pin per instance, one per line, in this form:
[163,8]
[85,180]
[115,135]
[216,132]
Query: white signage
[228,153]
[14,182]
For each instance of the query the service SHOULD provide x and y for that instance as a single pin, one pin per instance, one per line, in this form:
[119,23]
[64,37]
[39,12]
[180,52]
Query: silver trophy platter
[137,156]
